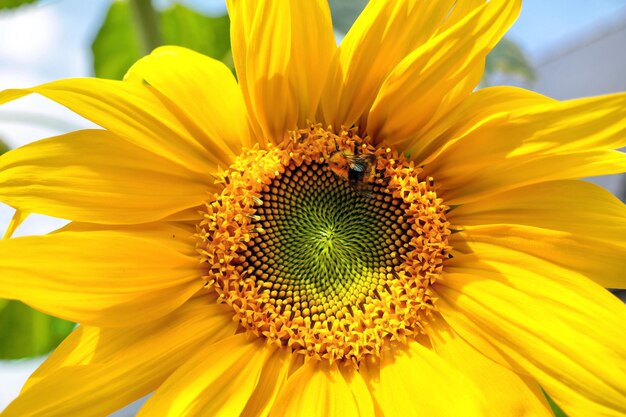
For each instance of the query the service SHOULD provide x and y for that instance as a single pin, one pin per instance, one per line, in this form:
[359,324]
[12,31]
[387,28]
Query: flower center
[325,245]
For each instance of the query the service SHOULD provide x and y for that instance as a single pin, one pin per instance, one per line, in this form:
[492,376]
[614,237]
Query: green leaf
[117,47]
[11,4]
[25,332]
[208,35]
[508,58]
[3,147]
[345,12]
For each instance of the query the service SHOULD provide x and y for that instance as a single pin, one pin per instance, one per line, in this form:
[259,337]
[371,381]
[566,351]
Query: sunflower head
[314,258]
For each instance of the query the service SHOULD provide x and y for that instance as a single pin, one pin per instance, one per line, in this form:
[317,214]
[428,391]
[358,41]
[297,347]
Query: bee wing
[360,162]
[358,166]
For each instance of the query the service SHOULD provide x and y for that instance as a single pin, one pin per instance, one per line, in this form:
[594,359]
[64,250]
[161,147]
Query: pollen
[325,245]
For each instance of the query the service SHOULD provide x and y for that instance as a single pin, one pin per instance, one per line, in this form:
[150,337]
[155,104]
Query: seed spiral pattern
[327,243]
[318,263]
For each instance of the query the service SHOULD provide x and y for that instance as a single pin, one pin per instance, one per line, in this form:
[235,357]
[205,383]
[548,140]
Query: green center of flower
[327,242]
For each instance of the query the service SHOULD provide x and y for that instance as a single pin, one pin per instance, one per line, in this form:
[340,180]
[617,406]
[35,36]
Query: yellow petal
[130,110]
[241,14]
[475,110]
[202,92]
[417,382]
[473,75]
[312,47]
[191,215]
[102,370]
[319,389]
[571,206]
[500,262]
[217,381]
[420,85]
[600,260]
[271,382]
[572,139]
[590,225]
[107,278]
[384,33]
[282,70]
[563,330]
[18,217]
[504,393]
[360,392]
[95,176]
[176,236]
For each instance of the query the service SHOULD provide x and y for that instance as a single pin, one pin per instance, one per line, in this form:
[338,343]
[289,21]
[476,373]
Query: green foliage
[25,332]
[117,47]
[184,27]
[3,147]
[508,58]
[11,4]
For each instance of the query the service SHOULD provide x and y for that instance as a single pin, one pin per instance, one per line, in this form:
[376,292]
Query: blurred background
[561,48]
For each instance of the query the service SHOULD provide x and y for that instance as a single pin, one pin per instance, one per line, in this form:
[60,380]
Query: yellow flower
[346,231]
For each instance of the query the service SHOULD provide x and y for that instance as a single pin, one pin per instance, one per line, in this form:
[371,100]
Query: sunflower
[344,231]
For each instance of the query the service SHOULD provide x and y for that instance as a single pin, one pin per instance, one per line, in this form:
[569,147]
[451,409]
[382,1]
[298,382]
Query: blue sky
[544,23]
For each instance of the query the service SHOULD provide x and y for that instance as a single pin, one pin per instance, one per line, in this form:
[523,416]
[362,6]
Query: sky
[544,24]
[51,41]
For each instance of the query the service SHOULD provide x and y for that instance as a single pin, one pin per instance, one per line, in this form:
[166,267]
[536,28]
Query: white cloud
[28,34]
[14,374]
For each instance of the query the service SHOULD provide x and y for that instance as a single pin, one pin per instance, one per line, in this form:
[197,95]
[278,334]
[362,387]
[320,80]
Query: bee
[357,168]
